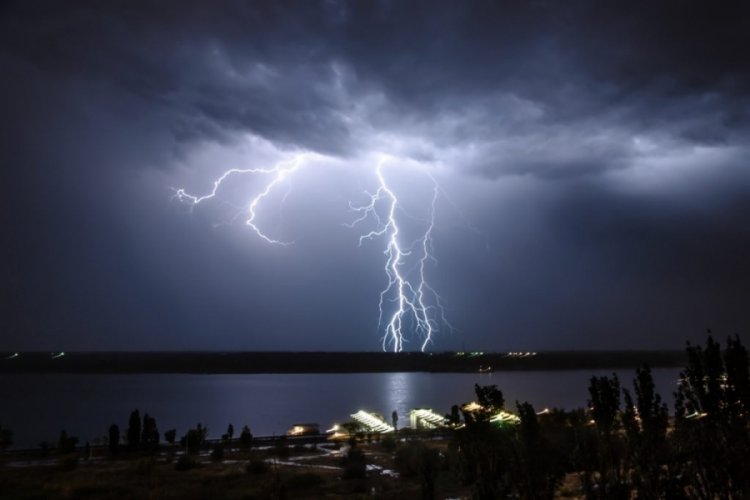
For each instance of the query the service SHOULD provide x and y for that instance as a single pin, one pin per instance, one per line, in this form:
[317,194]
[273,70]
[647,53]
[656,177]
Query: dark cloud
[630,121]
[295,75]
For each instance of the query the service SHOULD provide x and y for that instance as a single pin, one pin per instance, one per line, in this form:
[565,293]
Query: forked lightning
[408,303]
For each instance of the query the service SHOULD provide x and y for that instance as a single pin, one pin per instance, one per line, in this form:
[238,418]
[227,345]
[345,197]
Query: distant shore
[213,362]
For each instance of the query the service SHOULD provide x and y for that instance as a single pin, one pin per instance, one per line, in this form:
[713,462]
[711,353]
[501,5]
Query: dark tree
[246,438]
[6,438]
[114,438]
[66,444]
[611,479]
[150,434]
[354,463]
[230,432]
[415,459]
[194,439]
[646,421]
[217,453]
[485,448]
[490,397]
[394,419]
[536,468]
[134,431]
[455,416]
[170,436]
[711,421]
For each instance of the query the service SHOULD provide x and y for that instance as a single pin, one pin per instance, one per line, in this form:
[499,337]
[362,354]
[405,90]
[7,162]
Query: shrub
[305,480]
[145,467]
[185,462]
[256,466]
[67,462]
[389,443]
[355,465]
[217,454]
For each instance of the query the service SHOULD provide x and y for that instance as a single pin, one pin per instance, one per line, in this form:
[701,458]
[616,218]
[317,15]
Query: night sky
[593,161]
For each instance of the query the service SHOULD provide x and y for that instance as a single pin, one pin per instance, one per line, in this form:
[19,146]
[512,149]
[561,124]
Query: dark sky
[593,158]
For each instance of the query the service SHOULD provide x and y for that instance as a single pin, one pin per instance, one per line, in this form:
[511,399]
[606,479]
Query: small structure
[425,418]
[372,422]
[338,433]
[303,430]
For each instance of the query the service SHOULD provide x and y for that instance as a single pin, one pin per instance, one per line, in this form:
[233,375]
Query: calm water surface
[37,406]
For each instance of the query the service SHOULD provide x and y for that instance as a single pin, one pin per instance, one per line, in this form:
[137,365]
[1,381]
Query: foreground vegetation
[624,445]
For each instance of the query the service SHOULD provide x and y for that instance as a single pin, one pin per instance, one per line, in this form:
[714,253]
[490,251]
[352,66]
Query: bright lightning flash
[416,303]
[279,173]
[416,306]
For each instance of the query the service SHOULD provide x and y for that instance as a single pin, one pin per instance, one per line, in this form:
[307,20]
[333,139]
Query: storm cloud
[596,158]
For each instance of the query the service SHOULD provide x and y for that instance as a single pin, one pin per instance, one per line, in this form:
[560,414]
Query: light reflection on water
[399,395]
[37,406]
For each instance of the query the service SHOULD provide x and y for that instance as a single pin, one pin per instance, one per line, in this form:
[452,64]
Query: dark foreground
[328,362]
[624,445]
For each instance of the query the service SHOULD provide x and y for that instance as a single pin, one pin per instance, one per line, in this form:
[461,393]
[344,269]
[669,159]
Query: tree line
[624,445]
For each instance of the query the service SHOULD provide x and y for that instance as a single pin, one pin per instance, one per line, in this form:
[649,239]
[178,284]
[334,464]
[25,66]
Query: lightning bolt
[417,304]
[279,173]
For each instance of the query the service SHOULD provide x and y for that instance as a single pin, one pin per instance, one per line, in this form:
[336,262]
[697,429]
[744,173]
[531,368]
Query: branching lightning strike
[417,305]
[415,300]
[280,172]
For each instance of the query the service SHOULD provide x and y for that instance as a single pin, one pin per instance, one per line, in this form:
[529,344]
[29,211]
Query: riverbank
[330,362]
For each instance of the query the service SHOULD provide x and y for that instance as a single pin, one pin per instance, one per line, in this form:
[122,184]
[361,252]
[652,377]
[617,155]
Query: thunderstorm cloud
[594,158]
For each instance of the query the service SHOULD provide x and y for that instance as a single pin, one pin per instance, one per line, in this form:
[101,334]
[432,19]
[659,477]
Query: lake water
[37,407]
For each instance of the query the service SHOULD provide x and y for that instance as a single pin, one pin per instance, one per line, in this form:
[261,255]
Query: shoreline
[212,362]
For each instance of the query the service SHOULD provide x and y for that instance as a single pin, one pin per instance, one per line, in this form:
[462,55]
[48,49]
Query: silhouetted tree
[230,431]
[150,434]
[490,397]
[6,438]
[194,439]
[134,431]
[44,447]
[170,436]
[610,480]
[414,459]
[217,453]
[711,421]
[354,463]
[646,420]
[353,428]
[394,419]
[246,438]
[485,448]
[114,438]
[66,444]
[536,468]
[455,416]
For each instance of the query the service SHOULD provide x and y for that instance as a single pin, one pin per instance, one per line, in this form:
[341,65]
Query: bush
[246,438]
[217,454]
[256,466]
[170,436]
[408,459]
[389,443]
[66,444]
[305,480]
[355,465]
[67,462]
[185,462]
[145,467]
[6,438]
[194,439]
